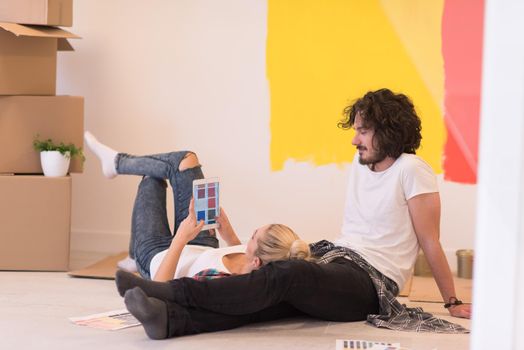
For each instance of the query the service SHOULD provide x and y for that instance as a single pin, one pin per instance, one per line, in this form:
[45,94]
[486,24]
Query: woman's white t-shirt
[195,258]
[377,224]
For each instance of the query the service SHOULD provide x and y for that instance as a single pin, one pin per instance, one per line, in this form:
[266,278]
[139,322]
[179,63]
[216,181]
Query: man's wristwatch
[452,302]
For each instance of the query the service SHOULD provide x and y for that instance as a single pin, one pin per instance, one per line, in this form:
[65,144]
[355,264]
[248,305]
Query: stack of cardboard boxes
[35,211]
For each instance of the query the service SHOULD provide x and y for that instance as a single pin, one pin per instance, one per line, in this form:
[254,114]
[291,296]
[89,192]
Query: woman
[161,256]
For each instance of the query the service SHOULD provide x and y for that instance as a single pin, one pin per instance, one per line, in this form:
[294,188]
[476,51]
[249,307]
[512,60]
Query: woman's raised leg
[180,168]
[150,232]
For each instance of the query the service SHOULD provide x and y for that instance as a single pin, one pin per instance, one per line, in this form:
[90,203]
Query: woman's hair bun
[299,250]
[279,242]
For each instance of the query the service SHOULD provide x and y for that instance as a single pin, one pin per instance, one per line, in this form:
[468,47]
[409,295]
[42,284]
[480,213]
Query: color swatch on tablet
[205,194]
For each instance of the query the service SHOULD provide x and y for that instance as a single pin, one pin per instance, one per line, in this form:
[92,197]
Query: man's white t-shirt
[195,258]
[377,224]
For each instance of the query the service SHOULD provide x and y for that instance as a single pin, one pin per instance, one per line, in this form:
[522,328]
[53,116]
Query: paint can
[465,263]
[422,267]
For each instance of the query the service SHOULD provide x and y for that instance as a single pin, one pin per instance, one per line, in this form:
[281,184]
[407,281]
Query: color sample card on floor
[343,344]
[206,194]
[111,320]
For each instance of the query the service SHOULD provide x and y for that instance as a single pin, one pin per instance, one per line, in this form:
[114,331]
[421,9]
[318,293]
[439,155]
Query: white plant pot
[55,164]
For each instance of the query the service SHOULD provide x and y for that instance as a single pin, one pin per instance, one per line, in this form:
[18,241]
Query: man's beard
[374,158]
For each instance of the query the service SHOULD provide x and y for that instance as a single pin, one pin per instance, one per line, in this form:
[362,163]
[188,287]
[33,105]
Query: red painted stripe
[462,37]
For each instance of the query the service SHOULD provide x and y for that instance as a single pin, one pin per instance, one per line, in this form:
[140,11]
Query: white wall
[498,310]
[153,73]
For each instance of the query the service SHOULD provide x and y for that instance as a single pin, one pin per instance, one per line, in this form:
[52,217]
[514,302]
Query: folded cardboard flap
[42,12]
[103,269]
[64,45]
[37,31]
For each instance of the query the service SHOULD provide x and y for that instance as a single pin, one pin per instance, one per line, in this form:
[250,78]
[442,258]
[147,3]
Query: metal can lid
[465,252]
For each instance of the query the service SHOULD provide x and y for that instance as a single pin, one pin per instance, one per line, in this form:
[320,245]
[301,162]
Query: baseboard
[110,242]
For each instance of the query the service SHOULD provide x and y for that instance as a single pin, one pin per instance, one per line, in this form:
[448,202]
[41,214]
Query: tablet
[205,194]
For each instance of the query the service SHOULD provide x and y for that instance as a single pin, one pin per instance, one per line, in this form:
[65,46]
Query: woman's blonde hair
[279,242]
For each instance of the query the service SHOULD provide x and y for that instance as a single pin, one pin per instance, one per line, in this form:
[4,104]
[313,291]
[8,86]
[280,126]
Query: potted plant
[55,158]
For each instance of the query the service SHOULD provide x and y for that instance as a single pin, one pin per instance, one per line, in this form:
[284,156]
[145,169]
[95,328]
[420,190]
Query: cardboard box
[35,216]
[28,58]
[41,12]
[60,118]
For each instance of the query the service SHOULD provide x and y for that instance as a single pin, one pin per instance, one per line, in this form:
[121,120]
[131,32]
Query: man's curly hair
[393,118]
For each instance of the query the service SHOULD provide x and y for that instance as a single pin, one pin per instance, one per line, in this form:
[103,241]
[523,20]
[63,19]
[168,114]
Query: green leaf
[49,145]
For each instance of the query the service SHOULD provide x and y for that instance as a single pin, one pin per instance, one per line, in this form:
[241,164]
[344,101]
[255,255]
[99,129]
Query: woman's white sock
[127,264]
[106,155]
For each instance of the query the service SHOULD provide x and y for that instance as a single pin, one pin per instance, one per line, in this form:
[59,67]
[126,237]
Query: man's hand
[189,227]
[462,310]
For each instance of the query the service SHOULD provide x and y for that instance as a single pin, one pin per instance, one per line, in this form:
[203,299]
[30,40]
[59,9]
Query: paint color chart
[343,344]
[205,193]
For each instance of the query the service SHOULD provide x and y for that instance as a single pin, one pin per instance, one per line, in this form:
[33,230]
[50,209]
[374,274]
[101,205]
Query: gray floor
[35,307]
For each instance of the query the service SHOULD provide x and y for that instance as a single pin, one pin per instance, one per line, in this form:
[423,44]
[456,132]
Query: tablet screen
[205,194]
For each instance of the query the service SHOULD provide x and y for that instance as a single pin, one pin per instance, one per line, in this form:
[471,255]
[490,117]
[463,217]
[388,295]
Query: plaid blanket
[393,315]
[209,274]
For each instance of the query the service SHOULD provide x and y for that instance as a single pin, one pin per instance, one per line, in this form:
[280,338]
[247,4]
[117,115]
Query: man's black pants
[337,291]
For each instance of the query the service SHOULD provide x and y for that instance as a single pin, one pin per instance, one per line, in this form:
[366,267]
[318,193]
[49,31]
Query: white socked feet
[105,154]
[127,264]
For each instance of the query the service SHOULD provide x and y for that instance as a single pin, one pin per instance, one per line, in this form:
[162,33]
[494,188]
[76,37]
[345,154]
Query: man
[392,209]
[387,136]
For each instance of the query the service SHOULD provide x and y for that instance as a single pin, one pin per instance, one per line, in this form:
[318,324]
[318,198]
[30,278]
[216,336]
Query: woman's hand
[187,230]
[189,227]
[226,230]
[462,310]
